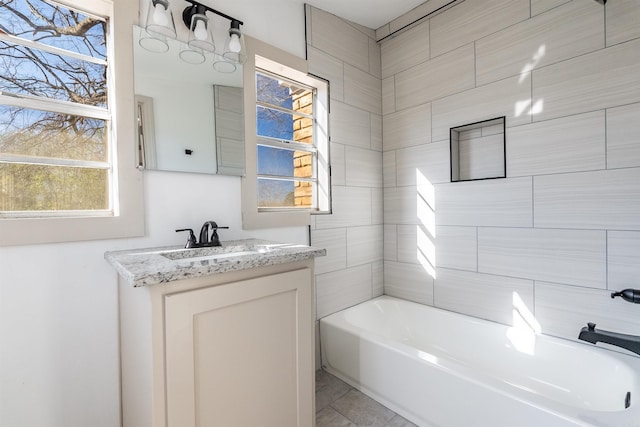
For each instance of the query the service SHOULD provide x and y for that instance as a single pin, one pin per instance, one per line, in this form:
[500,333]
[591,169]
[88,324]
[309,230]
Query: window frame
[263,57]
[127,201]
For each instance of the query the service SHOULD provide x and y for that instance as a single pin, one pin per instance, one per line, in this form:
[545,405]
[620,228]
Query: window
[287,140]
[58,152]
[287,153]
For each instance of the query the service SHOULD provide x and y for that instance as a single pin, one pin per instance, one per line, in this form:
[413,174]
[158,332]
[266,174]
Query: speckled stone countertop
[143,267]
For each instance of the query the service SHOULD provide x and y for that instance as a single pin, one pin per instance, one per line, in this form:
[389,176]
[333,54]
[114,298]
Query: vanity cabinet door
[241,354]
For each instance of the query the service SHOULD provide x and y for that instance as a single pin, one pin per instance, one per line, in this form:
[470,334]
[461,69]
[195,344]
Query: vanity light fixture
[160,25]
[160,19]
[234,49]
[195,18]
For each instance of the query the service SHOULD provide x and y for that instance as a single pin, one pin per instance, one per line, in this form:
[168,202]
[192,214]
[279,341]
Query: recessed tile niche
[478,150]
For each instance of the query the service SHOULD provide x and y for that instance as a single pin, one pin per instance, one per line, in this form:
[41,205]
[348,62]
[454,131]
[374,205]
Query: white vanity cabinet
[228,349]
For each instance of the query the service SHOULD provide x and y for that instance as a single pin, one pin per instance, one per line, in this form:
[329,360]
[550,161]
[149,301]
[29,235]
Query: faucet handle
[591,326]
[191,241]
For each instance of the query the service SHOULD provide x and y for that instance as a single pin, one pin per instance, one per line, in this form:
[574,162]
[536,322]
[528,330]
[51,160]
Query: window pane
[275,161]
[52,188]
[274,124]
[27,71]
[54,25]
[281,162]
[281,93]
[47,134]
[284,194]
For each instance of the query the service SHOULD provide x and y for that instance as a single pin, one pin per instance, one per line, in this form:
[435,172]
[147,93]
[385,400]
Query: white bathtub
[438,368]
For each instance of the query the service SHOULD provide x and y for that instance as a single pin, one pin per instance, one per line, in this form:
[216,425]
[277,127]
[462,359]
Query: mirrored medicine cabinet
[190,117]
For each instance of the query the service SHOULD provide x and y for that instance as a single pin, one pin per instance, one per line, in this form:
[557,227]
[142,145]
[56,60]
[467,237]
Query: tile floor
[340,405]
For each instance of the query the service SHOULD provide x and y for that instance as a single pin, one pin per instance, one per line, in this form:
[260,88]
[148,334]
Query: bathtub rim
[579,415]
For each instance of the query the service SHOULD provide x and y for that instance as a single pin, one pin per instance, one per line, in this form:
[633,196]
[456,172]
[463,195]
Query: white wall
[58,302]
[563,229]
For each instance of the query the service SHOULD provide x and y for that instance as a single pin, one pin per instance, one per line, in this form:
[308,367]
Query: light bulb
[234,43]
[200,31]
[159,15]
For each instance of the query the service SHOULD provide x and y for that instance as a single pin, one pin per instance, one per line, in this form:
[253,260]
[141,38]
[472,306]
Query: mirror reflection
[190,117]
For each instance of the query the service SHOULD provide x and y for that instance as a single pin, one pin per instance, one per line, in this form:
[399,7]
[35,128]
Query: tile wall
[563,229]
[348,56]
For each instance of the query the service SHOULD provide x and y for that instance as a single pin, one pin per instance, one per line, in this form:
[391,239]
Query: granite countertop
[151,266]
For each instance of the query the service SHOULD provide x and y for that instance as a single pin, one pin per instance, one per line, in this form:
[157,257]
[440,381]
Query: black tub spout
[593,335]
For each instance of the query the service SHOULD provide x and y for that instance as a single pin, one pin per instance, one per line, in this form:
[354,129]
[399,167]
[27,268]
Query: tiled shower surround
[551,240]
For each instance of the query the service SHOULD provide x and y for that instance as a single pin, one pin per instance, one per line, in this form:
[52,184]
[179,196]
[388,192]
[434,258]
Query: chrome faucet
[205,240]
[593,335]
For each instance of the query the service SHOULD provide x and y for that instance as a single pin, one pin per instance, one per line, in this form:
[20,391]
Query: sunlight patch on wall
[426,228]
[530,107]
[522,334]
[529,66]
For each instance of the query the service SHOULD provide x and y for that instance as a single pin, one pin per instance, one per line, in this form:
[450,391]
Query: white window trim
[262,55]
[128,204]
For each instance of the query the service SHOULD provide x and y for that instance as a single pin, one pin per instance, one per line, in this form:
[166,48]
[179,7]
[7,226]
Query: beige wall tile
[623,17]
[338,290]
[574,257]
[388,95]
[377,271]
[351,208]
[495,202]
[364,245]
[375,59]
[557,134]
[377,209]
[457,247]
[389,168]
[473,19]
[509,97]
[601,79]
[337,38]
[327,67]
[350,125]
[623,259]
[376,131]
[486,296]
[567,31]
[405,49]
[335,242]
[594,200]
[408,281]
[539,6]
[430,161]
[564,310]
[623,136]
[426,8]
[337,164]
[363,167]
[383,32]
[408,248]
[569,144]
[445,75]
[362,90]
[400,206]
[390,242]
[407,128]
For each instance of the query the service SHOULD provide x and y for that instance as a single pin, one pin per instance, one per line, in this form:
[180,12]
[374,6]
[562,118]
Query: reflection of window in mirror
[229,117]
[146,149]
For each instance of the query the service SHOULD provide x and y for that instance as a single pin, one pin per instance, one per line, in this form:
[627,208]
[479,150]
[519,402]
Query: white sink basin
[215,256]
